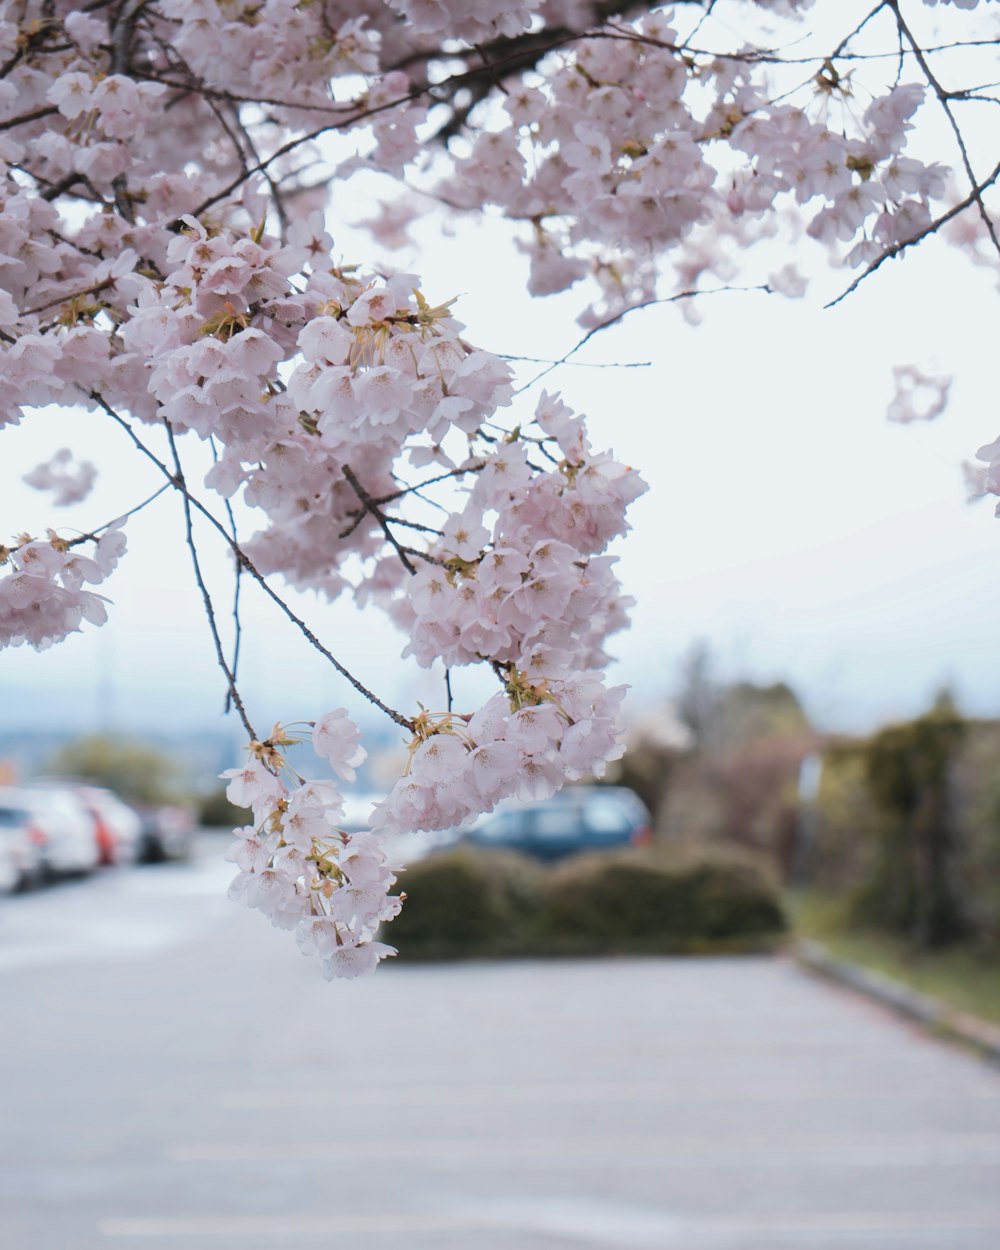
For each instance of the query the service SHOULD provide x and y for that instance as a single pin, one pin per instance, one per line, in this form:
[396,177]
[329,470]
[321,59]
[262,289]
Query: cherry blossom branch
[237,581]
[577,364]
[122,42]
[369,505]
[92,535]
[945,101]
[510,65]
[432,481]
[68,298]
[233,697]
[34,116]
[769,56]
[935,225]
[247,564]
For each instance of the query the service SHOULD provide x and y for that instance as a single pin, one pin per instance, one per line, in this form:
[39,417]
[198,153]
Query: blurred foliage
[470,901]
[738,782]
[136,771]
[912,885]
[723,716]
[906,829]
[976,798]
[749,713]
[698,695]
[216,812]
[648,768]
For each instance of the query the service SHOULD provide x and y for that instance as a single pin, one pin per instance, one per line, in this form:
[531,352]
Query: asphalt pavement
[176,1074]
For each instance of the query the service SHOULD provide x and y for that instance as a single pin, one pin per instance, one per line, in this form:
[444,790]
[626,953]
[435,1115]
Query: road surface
[176,1074]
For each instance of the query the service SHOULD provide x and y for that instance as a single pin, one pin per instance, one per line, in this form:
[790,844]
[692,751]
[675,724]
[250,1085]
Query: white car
[20,848]
[64,826]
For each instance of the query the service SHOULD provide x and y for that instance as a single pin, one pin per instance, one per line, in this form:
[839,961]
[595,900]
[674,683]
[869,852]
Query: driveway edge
[943,1021]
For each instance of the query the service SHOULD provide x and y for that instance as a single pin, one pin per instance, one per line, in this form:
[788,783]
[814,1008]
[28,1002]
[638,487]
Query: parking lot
[176,1073]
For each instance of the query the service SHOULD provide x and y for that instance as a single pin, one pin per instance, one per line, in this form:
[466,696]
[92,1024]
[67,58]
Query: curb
[944,1022]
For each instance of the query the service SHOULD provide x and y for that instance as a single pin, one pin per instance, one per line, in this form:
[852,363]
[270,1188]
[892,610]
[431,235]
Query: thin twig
[93,535]
[68,298]
[619,316]
[370,506]
[33,116]
[945,102]
[237,582]
[233,698]
[577,364]
[249,566]
[441,477]
[936,224]
[123,38]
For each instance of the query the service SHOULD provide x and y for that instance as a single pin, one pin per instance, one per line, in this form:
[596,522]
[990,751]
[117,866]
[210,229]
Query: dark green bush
[467,902]
[470,902]
[216,812]
[904,832]
[659,901]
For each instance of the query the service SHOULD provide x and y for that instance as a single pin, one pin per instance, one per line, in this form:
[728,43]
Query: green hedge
[216,812]
[473,902]
[467,902]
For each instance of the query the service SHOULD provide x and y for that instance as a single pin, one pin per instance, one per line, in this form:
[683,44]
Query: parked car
[21,865]
[65,829]
[165,833]
[117,827]
[579,818]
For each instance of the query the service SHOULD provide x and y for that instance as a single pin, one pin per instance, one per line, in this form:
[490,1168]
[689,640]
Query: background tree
[142,774]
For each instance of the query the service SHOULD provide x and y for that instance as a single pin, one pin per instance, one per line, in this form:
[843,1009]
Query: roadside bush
[907,830]
[216,812]
[471,902]
[467,902]
[657,901]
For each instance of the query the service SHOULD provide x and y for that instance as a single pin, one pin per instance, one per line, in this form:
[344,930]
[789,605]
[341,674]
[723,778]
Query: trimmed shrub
[467,902]
[216,812]
[473,902]
[659,901]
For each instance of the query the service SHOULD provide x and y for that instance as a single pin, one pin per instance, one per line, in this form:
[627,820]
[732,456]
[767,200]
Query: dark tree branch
[935,225]
[945,103]
[237,583]
[233,696]
[249,566]
[369,505]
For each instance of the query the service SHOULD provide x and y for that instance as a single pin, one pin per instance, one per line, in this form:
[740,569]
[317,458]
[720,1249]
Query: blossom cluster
[296,865]
[43,595]
[524,741]
[533,589]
